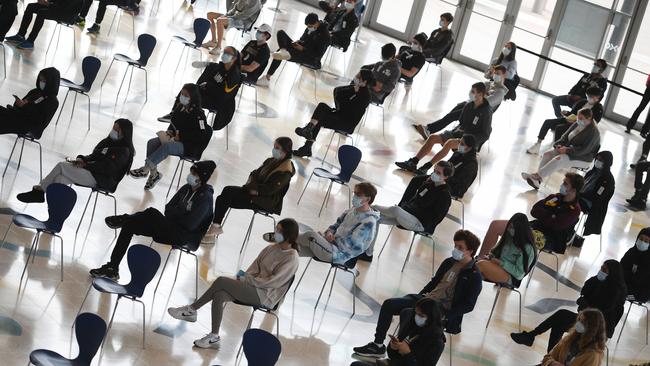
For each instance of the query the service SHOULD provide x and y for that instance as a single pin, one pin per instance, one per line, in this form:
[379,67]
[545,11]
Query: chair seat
[28,136]
[324,173]
[350,264]
[109,286]
[74,86]
[310,66]
[124,58]
[255,307]
[29,222]
[184,41]
[43,357]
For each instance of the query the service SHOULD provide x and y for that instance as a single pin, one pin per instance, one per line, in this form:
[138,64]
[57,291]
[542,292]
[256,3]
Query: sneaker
[531,180]
[105,271]
[424,169]
[185,313]
[364,257]
[196,65]
[409,165]
[26,45]
[215,51]
[166,118]
[93,30]
[578,241]
[534,150]
[524,338]
[303,152]
[154,178]
[210,340]
[15,39]
[115,222]
[263,81]
[80,22]
[422,131]
[306,132]
[35,195]
[636,203]
[213,232]
[370,350]
[627,130]
[139,173]
[282,54]
[209,44]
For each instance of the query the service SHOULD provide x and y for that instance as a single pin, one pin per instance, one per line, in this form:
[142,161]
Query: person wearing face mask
[636,268]
[187,135]
[309,49]
[475,119]
[8,12]
[560,125]
[455,287]
[632,121]
[514,254]
[576,148]
[264,189]
[342,23]
[412,59]
[63,11]
[440,39]
[495,94]
[329,6]
[186,218]
[605,292]
[351,234]
[385,72]
[506,59]
[579,91]
[104,168]
[264,283]
[241,15]
[350,103]
[255,54]
[33,112]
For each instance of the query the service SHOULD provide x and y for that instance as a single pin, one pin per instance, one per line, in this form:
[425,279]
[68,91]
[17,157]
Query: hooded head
[204,170]
[645,232]
[607,158]
[52,79]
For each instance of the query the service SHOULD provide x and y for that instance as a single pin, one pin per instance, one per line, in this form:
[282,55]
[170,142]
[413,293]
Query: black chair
[423,234]
[437,61]
[90,68]
[341,134]
[201,28]
[146,45]
[261,348]
[26,137]
[647,318]
[256,211]
[190,159]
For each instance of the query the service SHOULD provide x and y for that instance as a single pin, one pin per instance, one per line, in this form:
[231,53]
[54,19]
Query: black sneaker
[94,29]
[370,350]
[409,165]
[166,118]
[306,132]
[105,271]
[636,203]
[34,195]
[302,152]
[154,178]
[424,169]
[116,222]
[364,257]
[578,241]
[524,338]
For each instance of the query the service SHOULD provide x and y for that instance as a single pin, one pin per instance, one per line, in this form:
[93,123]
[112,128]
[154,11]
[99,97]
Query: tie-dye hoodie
[353,231]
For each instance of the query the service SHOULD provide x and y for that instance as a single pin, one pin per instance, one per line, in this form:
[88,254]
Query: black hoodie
[190,213]
[595,195]
[636,271]
[465,170]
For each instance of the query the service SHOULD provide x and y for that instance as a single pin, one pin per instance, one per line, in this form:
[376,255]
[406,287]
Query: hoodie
[354,231]
[315,43]
[465,171]
[192,128]
[218,88]
[636,270]
[190,213]
[426,201]
[41,106]
[596,193]
[556,219]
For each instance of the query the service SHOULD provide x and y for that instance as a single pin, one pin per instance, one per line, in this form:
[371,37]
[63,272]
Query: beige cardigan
[588,357]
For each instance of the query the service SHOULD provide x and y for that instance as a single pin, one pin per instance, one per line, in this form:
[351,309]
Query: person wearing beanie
[386,73]
[264,283]
[255,54]
[187,217]
[412,58]
[104,168]
[264,189]
[351,102]
[636,268]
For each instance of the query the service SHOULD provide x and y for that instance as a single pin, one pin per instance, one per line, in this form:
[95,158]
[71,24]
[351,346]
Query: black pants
[42,12]
[328,118]
[390,308]
[149,222]
[10,122]
[284,41]
[231,197]
[641,185]
[637,112]
[85,8]
[549,124]
[559,323]
[7,15]
[325,6]
[445,121]
[101,8]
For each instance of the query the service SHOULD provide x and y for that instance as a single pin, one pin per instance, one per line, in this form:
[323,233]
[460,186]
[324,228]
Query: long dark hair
[127,134]
[195,95]
[290,231]
[511,55]
[523,237]
[615,281]
[287,146]
[433,325]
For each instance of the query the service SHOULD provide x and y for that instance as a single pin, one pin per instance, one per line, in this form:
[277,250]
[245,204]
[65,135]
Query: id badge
[424,191]
[634,268]
[202,124]
[104,151]
[475,121]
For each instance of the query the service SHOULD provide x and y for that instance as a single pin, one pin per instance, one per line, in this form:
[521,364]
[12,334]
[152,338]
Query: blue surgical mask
[580,328]
[595,69]
[472,96]
[592,100]
[278,237]
[642,246]
[41,85]
[563,190]
[193,180]
[435,177]
[184,100]
[441,23]
[227,58]
[496,78]
[310,29]
[598,164]
[348,5]
[416,47]
[260,37]
[356,201]
[581,123]
[277,154]
[602,276]
[114,135]
[420,320]
[461,149]
[457,254]
[506,51]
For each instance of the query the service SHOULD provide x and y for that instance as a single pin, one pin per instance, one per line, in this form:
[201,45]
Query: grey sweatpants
[68,173]
[393,216]
[313,244]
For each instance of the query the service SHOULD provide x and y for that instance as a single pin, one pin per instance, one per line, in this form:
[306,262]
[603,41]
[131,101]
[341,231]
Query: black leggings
[8,13]
[231,197]
[42,12]
[453,115]
[637,112]
[640,184]
[559,323]
[549,124]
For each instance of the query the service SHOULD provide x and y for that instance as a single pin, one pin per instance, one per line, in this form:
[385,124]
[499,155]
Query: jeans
[158,151]
[67,173]
[390,308]
[563,100]
[553,161]
[549,124]
[637,112]
[313,244]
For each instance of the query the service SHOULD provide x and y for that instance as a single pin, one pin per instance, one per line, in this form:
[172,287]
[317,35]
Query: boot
[306,132]
[304,151]
[410,165]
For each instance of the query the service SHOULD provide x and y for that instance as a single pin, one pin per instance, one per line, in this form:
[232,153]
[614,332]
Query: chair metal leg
[88,96]
[81,219]
[6,233]
[493,305]
[40,159]
[557,271]
[301,276]
[178,266]
[165,54]
[121,83]
[144,321]
[82,303]
[106,75]
[62,106]
[519,293]
[32,252]
[408,254]
[56,27]
[162,272]
[327,150]
[304,189]
[110,323]
[354,294]
[247,236]
[624,321]
[530,275]
[20,157]
[10,155]
[332,284]
[451,338]
[61,239]
[323,287]
[326,198]
[196,275]
[171,183]
[146,84]
[386,241]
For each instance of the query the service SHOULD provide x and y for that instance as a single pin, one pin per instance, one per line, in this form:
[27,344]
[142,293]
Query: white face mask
[581,123]
[472,96]
[193,180]
[457,254]
[595,70]
[580,328]
[497,78]
[114,135]
[461,149]
[416,47]
[260,37]
[420,320]
[348,5]
[602,276]
[592,100]
[598,164]
[278,237]
[277,154]
[310,29]
[357,201]
[505,51]
[435,177]
[41,85]
[227,58]
[642,246]
[563,190]
[184,100]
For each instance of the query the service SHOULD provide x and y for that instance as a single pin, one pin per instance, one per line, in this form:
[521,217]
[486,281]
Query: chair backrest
[261,348]
[90,68]
[90,330]
[146,45]
[60,202]
[201,28]
[143,265]
[349,158]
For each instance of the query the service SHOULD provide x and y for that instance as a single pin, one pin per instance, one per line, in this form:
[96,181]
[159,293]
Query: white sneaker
[534,150]
[200,64]
[531,180]
[215,51]
[263,81]
[208,341]
[185,313]
[282,54]
[209,44]
[212,234]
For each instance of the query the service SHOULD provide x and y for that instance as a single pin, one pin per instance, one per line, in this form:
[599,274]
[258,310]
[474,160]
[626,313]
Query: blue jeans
[157,151]
[563,100]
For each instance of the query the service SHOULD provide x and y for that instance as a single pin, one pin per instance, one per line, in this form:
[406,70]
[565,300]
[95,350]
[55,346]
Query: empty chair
[349,158]
[60,202]
[90,331]
[143,265]
[90,68]
[146,45]
[261,348]
[201,28]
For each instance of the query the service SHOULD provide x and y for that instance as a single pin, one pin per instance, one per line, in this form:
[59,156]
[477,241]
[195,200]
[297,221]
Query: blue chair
[90,331]
[201,29]
[415,234]
[349,158]
[261,348]
[60,202]
[146,45]
[90,68]
[143,265]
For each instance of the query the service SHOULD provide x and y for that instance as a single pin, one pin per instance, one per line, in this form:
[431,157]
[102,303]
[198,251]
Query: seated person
[350,103]
[584,345]
[513,256]
[595,195]
[420,339]
[560,125]
[264,189]
[58,10]
[8,12]
[309,49]
[576,148]
[255,55]
[506,59]
[242,15]
[579,91]
[264,283]
[641,185]
[34,111]
[557,214]
[412,59]
[636,268]
[385,72]
[475,119]
[605,292]
[455,287]
[103,169]
[351,234]
[186,218]
[440,39]
[342,23]
[633,118]
[186,135]
[131,6]
[332,5]
[495,94]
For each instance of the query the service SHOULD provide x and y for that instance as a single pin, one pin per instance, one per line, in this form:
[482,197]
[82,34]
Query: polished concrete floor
[39,312]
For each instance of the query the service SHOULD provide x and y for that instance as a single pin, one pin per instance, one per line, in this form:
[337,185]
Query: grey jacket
[584,145]
[245,10]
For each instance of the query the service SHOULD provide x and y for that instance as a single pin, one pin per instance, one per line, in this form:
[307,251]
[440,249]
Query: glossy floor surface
[39,313]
